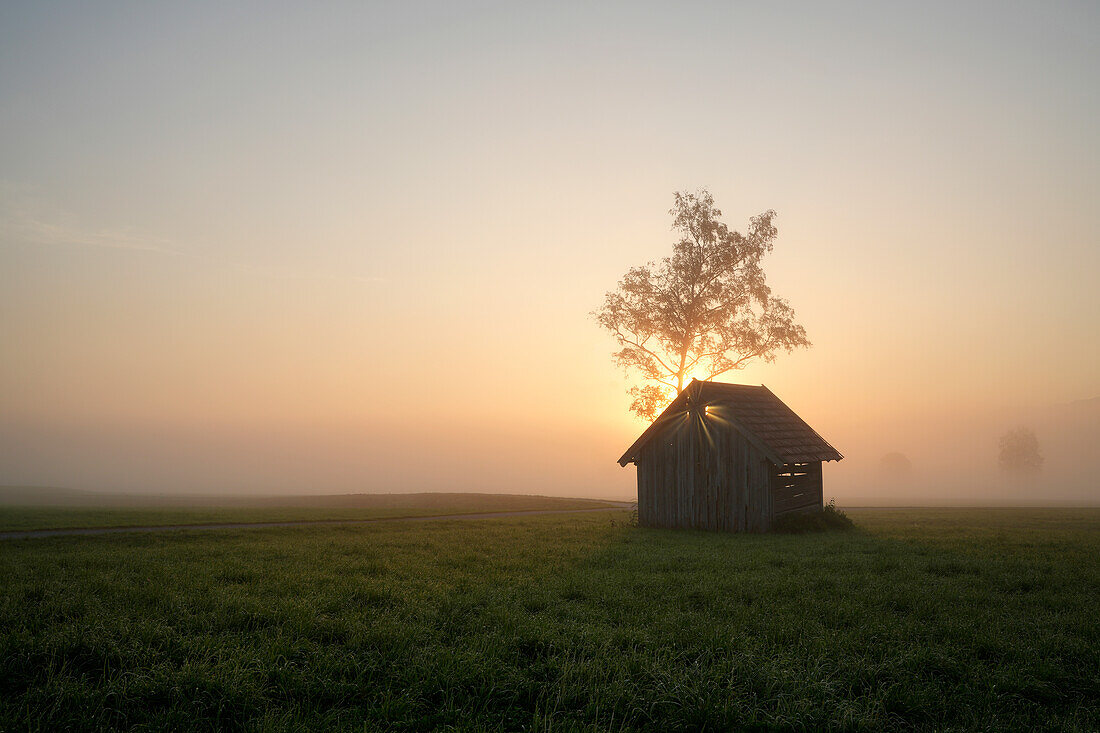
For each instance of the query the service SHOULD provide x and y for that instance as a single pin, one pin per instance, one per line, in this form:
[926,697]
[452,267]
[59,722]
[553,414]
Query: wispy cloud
[26,218]
[46,233]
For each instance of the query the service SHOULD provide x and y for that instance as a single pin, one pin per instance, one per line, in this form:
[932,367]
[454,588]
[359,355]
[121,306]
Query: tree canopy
[1019,452]
[703,311]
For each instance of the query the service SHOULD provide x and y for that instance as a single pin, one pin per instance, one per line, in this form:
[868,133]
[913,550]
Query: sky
[342,247]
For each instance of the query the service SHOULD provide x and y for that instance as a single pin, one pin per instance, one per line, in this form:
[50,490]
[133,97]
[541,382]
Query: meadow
[920,619]
[348,507]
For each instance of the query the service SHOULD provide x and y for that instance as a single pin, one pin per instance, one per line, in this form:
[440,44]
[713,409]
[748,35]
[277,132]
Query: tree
[1019,452]
[705,311]
[896,466]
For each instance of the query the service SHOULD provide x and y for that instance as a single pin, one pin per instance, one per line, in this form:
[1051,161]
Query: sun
[694,375]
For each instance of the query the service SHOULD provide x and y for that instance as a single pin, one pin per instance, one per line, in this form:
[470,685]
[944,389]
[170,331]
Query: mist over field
[356,251]
[954,460]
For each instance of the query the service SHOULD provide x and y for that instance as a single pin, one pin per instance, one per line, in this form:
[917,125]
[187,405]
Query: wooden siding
[796,487]
[704,474]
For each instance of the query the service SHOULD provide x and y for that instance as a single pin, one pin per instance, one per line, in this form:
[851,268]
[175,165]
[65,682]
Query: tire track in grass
[34,533]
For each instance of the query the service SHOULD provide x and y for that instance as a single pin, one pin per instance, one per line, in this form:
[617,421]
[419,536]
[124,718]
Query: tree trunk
[680,374]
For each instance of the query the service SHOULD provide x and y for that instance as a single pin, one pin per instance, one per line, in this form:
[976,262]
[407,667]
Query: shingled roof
[756,412]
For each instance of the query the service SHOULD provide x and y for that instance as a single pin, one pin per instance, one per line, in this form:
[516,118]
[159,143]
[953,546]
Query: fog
[314,461]
[356,250]
[954,460]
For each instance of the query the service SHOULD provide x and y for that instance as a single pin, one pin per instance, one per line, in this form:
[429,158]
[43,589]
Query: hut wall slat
[753,497]
[647,463]
[687,475]
[752,488]
[654,474]
[704,459]
[797,490]
[667,486]
[681,479]
[678,479]
[714,478]
[729,477]
[737,496]
[725,517]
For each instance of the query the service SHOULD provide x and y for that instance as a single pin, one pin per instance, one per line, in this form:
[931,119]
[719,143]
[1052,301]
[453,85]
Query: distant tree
[704,311]
[1019,452]
[896,465]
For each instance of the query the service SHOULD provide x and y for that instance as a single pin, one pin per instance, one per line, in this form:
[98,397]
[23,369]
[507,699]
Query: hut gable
[764,419]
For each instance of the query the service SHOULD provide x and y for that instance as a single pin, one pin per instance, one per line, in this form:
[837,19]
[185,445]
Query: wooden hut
[728,457]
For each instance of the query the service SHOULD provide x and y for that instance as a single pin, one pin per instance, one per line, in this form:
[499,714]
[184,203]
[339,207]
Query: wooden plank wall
[797,488]
[704,475]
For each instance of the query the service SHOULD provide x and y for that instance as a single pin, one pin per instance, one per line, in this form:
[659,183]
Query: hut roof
[755,412]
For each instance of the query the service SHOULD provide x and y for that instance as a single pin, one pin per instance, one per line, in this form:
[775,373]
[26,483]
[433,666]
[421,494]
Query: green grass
[365,506]
[921,619]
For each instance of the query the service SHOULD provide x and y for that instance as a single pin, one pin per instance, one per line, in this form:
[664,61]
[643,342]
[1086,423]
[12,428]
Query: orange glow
[385,285]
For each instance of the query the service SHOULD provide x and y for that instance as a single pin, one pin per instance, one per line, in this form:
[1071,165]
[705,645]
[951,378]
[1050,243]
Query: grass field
[352,506]
[922,619]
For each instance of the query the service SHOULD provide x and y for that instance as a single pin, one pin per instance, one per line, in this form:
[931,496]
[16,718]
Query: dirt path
[30,533]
